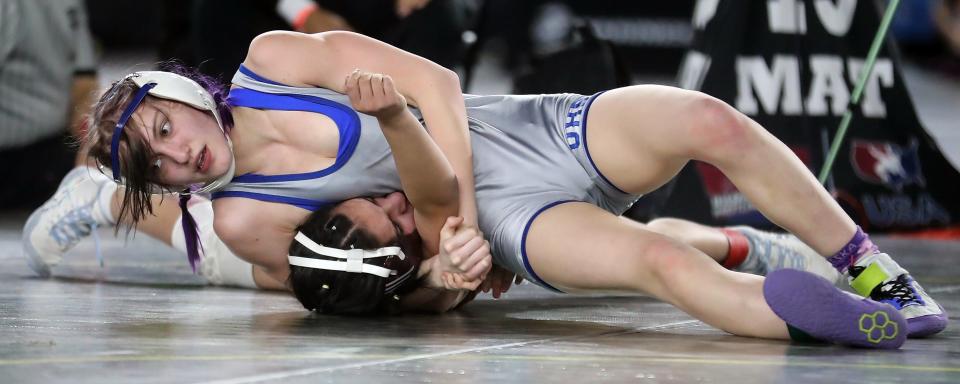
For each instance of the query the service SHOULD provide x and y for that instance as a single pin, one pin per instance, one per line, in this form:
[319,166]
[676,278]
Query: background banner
[791,65]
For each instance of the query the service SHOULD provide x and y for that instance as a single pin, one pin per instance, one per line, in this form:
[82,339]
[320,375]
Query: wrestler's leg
[87,199]
[614,253]
[641,136]
[745,249]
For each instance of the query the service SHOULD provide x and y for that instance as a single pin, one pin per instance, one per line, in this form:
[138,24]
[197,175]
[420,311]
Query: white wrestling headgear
[352,258]
[174,87]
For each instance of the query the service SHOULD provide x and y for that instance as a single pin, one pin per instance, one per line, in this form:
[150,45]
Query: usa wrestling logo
[886,163]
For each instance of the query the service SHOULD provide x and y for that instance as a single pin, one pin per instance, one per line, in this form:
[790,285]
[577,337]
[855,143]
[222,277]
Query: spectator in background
[432,29]
[928,32]
[947,20]
[222,29]
[47,80]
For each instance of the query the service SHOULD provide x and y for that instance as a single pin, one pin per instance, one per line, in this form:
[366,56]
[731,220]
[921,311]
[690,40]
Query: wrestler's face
[187,145]
[386,218]
[399,210]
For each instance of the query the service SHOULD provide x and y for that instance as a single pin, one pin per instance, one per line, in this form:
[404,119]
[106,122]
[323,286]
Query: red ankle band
[739,247]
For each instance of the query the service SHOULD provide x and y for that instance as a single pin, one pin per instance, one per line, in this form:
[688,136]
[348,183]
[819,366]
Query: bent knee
[717,128]
[664,258]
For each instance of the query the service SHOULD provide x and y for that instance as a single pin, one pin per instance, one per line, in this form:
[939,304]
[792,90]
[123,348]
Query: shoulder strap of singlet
[253,75]
[346,119]
[308,204]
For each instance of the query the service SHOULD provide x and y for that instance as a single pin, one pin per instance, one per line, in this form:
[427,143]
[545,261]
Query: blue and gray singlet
[529,154]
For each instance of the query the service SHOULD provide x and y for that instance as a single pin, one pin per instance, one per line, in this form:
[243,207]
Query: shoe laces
[900,290]
[897,292]
[73,225]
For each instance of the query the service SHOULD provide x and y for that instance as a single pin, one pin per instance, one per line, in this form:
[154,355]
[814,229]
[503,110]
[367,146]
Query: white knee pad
[217,263]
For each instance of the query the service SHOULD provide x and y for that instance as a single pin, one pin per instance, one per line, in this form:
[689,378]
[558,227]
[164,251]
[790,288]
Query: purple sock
[859,245]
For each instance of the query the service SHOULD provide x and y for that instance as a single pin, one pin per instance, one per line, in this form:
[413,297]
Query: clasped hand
[464,258]
[374,94]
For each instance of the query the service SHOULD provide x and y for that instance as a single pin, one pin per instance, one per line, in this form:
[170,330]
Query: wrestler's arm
[259,233]
[430,184]
[427,179]
[325,59]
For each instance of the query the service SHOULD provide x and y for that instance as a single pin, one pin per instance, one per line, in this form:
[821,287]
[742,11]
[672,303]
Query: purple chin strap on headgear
[174,87]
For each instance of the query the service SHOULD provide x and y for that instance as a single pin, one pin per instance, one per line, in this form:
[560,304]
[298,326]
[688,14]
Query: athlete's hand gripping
[499,280]
[374,94]
[464,258]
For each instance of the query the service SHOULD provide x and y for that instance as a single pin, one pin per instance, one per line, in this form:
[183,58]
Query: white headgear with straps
[171,86]
[352,258]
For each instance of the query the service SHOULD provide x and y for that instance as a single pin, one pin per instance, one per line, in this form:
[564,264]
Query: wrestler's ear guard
[170,86]
[351,260]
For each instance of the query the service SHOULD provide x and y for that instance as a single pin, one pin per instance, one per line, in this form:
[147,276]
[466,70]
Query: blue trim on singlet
[523,245]
[310,205]
[346,119]
[246,71]
[586,148]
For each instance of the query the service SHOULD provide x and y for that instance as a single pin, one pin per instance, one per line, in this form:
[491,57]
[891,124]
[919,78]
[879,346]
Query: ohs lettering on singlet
[574,119]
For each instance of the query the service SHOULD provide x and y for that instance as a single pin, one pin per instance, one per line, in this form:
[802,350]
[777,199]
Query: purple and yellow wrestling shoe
[813,305]
[878,277]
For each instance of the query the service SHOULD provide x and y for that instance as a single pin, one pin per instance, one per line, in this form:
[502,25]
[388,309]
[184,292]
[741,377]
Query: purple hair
[217,89]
